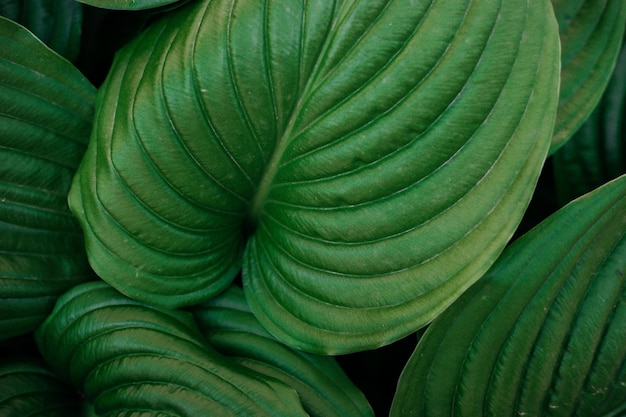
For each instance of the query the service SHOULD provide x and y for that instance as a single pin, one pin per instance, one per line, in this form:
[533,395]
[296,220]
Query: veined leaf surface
[29,388]
[46,109]
[373,158]
[130,358]
[324,389]
[542,333]
[591,34]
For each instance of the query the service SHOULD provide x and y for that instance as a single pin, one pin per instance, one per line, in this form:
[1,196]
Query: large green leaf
[591,34]
[46,109]
[56,22]
[325,390]
[129,4]
[542,333]
[29,388]
[596,153]
[373,158]
[131,358]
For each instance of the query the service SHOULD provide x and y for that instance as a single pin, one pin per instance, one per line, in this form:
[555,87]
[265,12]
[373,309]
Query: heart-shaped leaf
[323,387]
[597,152]
[591,34]
[29,388]
[46,109]
[129,357]
[373,158]
[542,333]
[56,22]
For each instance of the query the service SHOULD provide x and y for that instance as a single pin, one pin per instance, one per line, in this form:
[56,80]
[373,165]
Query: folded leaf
[596,153]
[373,159]
[29,388]
[325,390]
[129,357]
[57,23]
[591,35]
[542,333]
[46,107]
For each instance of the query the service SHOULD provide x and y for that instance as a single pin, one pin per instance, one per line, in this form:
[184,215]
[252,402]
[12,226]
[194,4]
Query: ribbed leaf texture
[597,152]
[58,23]
[133,359]
[325,390]
[46,109]
[591,35]
[542,333]
[371,158]
[29,388]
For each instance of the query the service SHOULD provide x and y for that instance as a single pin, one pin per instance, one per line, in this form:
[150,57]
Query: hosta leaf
[29,388]
[129,4]
[56,22]
[230,327]
[46,107]
[591,34]
[542,333]
[373,158]
[131,358]
[596,153]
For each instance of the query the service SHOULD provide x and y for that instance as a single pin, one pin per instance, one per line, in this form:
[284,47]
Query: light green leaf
[46,109]
[325,390]
[373,159]
[29,388]
[130,4]
[591,33]
[542,333]
[57,23]
[129,357]
[596,153]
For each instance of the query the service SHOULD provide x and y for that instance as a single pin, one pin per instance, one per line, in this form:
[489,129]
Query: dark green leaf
[129,4]
[46,107]
[325,390]
[591,34]
[56,22]
[29,388]
[597,152]
[131,358]
[373,158]
[542,333]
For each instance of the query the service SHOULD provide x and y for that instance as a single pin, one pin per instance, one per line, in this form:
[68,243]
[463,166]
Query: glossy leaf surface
[46,107]
[56,22]
[29,388]
[131,358]
[591,34]
[371,159]
[228,324]
[597,151]
[542,333]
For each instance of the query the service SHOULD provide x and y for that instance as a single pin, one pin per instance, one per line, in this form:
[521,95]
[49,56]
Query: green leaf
[129,357]
[129,4]
[325,390]
[596,153]
[29,388]
[372,159]
[591,34]
[46,109]
[57,23]
[542,333]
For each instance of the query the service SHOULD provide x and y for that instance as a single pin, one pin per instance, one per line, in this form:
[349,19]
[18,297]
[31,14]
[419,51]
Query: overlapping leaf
[542,333]
[597,151]
[373,158]
[591,34]
[131,357]
[29,388]
[130,4]
[56,22]
[325,390]
[46,107]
